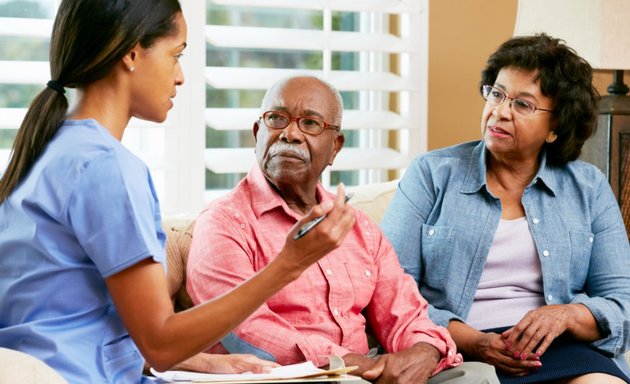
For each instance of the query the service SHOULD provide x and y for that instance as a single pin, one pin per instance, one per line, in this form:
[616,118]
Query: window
[373,51]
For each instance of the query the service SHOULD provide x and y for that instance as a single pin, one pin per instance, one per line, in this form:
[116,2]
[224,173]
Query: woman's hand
[491,348]
[232,363]
[540,327]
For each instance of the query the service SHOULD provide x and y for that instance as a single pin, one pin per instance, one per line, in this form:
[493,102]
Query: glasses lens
[493,95]
[276,120]
[523,107]
[312,125]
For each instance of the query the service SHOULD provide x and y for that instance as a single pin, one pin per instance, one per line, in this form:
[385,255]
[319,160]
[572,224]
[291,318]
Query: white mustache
[279,147]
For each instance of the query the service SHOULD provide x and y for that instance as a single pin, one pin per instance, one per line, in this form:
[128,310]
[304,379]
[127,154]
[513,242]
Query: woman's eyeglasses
[311,125]
[495,96]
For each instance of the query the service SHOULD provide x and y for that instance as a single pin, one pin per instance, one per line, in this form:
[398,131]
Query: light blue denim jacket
[442,221]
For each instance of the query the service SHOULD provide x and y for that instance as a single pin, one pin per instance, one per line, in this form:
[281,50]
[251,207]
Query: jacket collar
[475,178]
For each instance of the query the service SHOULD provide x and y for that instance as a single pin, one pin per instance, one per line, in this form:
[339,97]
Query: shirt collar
[264,197]
[476,175]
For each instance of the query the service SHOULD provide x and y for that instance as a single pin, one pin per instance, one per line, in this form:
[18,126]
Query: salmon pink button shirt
[327,310]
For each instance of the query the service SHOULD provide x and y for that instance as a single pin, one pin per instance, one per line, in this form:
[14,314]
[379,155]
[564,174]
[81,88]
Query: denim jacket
[443,218]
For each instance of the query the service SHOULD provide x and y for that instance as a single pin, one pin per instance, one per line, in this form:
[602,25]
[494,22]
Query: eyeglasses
[495,96]
[311,125]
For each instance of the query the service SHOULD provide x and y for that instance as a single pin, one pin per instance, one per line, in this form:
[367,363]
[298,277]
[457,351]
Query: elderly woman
[519,247]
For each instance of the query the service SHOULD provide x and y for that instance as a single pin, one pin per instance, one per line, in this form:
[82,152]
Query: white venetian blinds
[374,52]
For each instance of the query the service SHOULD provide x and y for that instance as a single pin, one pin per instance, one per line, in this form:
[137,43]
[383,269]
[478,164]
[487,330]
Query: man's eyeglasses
[311,125]
[495,96]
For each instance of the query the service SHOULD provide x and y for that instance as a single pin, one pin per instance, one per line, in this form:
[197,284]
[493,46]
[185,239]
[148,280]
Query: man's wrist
[429,350]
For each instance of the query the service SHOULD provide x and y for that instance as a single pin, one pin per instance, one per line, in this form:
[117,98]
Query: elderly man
[358,286]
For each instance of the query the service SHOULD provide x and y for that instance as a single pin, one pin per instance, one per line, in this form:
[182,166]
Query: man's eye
[310,122]
[496,94]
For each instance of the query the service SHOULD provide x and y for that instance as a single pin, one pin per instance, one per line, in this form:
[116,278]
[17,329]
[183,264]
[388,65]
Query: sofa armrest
[178,239]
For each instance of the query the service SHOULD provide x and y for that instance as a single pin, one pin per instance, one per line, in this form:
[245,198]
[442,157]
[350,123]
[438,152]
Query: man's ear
[255,130]
[338,142]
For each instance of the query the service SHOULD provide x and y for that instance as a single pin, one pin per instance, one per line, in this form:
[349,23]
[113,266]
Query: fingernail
[517,354]
[523,356]
[328,204]
[538,353]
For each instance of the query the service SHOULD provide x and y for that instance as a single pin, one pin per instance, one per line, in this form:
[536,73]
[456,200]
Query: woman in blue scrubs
[82,282]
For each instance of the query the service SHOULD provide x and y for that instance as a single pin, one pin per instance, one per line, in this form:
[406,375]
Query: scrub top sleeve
[115,215]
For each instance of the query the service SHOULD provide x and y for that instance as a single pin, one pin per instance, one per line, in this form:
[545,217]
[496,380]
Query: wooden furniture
[609,149]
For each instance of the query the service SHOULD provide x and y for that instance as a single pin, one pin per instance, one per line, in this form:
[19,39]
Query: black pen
[306,228]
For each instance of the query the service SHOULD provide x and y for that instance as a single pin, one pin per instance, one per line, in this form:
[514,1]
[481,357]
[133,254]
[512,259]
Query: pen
[306,228]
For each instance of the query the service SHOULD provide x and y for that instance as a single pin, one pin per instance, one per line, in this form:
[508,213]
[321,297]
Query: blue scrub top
[86,210]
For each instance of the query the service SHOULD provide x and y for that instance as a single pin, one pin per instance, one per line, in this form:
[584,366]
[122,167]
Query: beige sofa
[372,199]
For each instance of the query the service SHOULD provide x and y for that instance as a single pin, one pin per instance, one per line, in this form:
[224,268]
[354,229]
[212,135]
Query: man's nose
[292,132]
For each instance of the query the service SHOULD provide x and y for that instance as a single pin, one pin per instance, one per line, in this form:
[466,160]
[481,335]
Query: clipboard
[295,373]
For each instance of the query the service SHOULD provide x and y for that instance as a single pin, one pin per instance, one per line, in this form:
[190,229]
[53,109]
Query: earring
[132,68]
[551,138]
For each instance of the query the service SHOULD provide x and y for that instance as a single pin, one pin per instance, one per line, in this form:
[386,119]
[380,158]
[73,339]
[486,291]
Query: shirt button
[535,221]
[545,253]
[236,215]
[549,298]
[590,239]
[336,312]
[451,353]
[242,225]
[366,222]
[458,360]
[329,272]
[431,232]
[368,273]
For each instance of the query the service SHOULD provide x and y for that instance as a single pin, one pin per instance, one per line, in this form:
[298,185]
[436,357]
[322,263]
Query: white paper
[284,372]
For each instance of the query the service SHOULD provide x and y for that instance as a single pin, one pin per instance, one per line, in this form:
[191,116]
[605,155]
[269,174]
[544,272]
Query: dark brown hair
[89,38]
[563,76]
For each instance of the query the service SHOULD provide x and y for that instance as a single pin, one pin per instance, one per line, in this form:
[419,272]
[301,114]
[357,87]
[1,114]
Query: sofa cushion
[19,367]
[374,198]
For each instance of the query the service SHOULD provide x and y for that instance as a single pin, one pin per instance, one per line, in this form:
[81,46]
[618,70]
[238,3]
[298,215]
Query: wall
[462,34]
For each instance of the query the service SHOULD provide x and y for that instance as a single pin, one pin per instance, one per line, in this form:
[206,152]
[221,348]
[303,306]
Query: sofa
[372,199]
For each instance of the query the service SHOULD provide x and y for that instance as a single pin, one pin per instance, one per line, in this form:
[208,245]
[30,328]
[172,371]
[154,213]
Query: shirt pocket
[363,280]
[122,361]
[581,248]
[437,249]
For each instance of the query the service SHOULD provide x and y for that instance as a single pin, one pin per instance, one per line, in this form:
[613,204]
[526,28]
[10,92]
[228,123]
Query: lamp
[599,31]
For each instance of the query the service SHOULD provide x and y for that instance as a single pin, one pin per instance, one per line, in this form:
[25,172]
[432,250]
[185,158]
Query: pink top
[327,309]
[511,282]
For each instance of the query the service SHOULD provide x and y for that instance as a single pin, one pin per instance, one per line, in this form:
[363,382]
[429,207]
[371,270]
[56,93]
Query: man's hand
[414,365]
